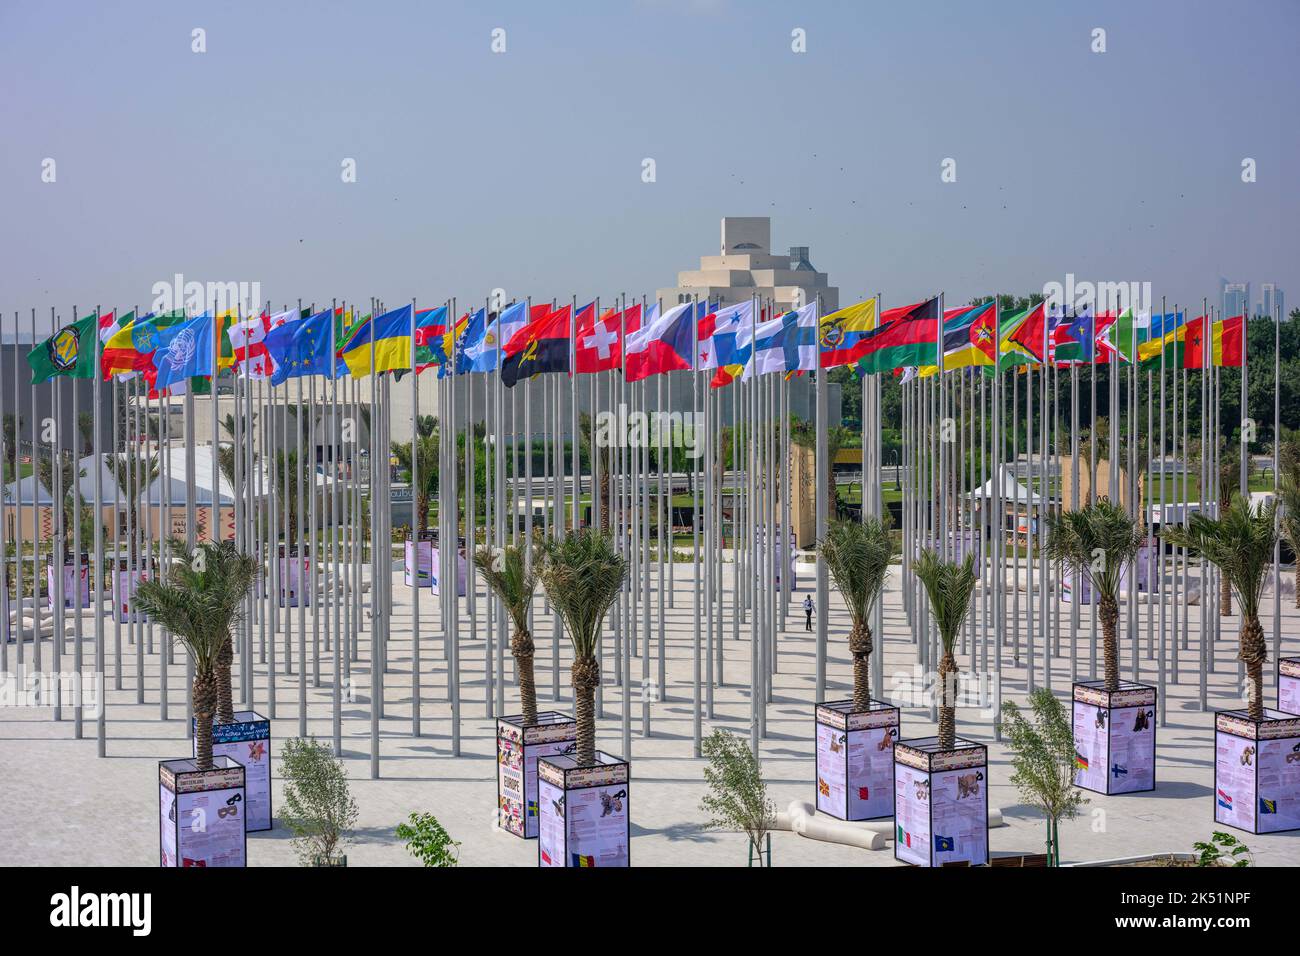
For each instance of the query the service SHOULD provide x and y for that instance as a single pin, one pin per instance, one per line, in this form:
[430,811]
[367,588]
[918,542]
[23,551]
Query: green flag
[69,352]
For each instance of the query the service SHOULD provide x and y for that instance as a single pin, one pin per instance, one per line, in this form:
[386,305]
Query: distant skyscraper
[1236,298]
[1271,298]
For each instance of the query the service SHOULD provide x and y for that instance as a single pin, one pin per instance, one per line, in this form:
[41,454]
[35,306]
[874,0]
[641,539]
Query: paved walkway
[64,805]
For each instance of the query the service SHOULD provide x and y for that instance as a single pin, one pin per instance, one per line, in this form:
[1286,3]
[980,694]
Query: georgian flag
[247,341]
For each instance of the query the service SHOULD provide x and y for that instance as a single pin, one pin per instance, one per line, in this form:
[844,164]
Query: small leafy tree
[737,798]
[318,806]
[1042,755]
[1213,853]
[428,841]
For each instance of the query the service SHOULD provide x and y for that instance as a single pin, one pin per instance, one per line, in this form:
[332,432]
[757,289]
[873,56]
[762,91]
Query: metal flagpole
[97,553]
[417,519]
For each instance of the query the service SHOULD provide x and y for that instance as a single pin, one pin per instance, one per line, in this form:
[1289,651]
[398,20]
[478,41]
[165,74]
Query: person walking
[807,610]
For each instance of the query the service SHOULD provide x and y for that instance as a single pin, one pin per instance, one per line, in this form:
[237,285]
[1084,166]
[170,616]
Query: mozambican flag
[383,344]
[68,353]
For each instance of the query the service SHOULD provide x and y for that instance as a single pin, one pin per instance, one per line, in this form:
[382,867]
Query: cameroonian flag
[905,336]
[68,353]
[580,859]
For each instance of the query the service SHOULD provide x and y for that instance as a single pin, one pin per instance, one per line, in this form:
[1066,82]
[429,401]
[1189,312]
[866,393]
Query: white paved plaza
[66,806]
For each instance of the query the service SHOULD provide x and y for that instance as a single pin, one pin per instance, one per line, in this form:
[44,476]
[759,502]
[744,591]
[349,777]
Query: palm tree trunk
[604,500]
[1108,612]
[1297,583]
[948,702]
[860,648]
[203,693]
[1253,652]
[521,646]
[225,695]
[422,505]
[585,675]
[1225,596]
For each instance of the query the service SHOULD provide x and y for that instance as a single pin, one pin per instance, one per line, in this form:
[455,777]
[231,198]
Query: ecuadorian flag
[391,336]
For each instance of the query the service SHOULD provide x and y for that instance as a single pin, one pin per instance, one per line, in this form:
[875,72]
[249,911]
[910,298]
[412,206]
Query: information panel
[295,581]
[518,750]
[1257,771]
[76,584]
[550,831]
[1288,685]
[1090,743]
[127,582]
[247,741]
[423,565]
[911,815]
[959,817]
[201,814]
[435,570]
[1131,766]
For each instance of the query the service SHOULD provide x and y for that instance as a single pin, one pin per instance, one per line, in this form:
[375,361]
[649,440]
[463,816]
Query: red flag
[1030,333]
[597,347]
[1230,341]
[1194,343]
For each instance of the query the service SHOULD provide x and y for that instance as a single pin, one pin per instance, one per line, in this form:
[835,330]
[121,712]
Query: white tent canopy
[24,489]
[1012,491]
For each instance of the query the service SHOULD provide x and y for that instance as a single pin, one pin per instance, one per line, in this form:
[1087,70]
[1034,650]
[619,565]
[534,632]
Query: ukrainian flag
[390,334]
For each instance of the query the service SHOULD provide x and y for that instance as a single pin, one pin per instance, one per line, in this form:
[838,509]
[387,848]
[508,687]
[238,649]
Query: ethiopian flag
[69,352]
[131,348]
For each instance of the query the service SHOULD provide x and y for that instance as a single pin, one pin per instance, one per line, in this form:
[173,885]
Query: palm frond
[1239,542]
[1097,540]
[949,587]
[582,574]
[511,577]
[858,555]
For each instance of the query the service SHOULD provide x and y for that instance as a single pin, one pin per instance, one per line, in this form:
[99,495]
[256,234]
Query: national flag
[532,808]
[864,793]
[944,844]
[904,838]
[1080,761]
[388,335]
[131,348]
[108,324]
[1030,333]
[1074,338]
[1171,345]
[969,337]
[905,336]
[1163,324]
[717,334]
[842,334]
[581,859]
[1225,800]
[1010,354]
[663,344]
[546,858]
[471,337]
[786,343]
[225,351]
[1117,771]
[1224,346]
[485,354]
[247,339]
[302,347]
[1267,806]
[1123,335]
[596,343]
[430,332]
[1229,341]
[68,353]
[184,351]
[540,346]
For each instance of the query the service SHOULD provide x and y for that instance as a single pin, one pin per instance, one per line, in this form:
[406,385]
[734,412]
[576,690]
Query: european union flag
[302,348]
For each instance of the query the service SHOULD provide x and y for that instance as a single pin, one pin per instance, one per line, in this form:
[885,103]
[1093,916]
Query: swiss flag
[597,347]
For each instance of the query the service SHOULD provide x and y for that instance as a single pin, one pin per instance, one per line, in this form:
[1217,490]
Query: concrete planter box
[201,814]
[941,802]
[1115,737]
[519,746]
[855,759]
[1257,771]
[584,812]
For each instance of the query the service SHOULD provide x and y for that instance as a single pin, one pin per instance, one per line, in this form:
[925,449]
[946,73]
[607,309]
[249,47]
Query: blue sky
[522,170]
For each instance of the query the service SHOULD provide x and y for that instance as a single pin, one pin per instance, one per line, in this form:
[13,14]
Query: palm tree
[1229,482]
[1099,540]
[199,603]
[426,460]
[132,473]
[858,555]
[1240,543]
[1289,516]
[804,434]
[949,588]
[597,455]
[512,576]
[583,574]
